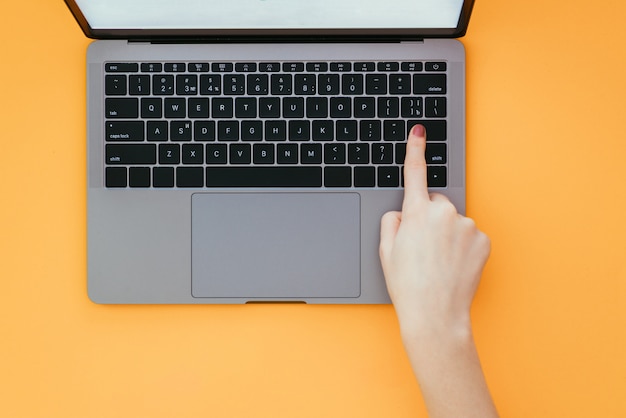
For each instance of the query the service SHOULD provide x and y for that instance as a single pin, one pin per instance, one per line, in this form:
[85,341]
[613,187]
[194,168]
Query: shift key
[130,154]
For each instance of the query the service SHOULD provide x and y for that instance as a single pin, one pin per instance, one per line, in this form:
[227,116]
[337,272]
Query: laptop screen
[215,17]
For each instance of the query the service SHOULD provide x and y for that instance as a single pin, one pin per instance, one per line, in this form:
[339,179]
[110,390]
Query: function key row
[271,67]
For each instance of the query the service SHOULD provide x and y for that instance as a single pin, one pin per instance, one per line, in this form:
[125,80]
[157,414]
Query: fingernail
[418,130]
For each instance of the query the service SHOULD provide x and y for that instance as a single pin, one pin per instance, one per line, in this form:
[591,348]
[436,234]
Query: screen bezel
[285,35]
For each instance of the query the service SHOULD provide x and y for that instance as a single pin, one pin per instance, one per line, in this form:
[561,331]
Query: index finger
[415,183]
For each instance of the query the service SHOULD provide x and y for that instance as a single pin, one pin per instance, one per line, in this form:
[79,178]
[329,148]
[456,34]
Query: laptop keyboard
[271,124]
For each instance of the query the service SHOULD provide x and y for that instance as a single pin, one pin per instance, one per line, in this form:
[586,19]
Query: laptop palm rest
[275,245]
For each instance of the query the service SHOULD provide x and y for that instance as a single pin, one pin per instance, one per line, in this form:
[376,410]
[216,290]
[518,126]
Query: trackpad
[276,245]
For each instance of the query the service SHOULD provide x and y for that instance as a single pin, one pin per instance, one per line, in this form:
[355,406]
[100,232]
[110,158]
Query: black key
[234,84]
[130,154]
[216,154]
[269,107]
[370,130]
[323,130]
[328,84]
[158,130]
[436,176]
[293,107]
[364,177]
[401,152]
[163,177]
[222,108]
[193,154]
[124,131]
[337,176]
[245,67]
[376,84]
[364,66]
[352,84]
[435,66]
[346,130]
[251,130]
[198,108]
[269,67]
[198,67]
[429,84]
[281,84]
[151,67]
[189,177]
[340,66]
[162,85]
[299,130]
[115,85]
[334,153]
[139,176]
[115,177]
[204,130]
[305,84]
[258,84]
[263,154]
[187,85]
[175,67]
[169,154]
[316,67]
[388,66]
[227,130]
[245,107]
[240,154]
[180,131]
[287,154]
[122,108]
[121,67]
[388,107]
[436,130]
[210,84]
[393,130]
[139,85]
[400,83]
[364,107]
[411,107]
[412,66]
[388,176]
[340,107]
[316,107]
[358,154]
[311,154]
[382,153]
[222,67]
[175,107]
[275,130]
[435,107]
[264,176]
[436,153]
[151,107]
[293,67]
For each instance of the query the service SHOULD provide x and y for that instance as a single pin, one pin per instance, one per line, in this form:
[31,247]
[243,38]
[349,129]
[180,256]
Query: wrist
[436,334]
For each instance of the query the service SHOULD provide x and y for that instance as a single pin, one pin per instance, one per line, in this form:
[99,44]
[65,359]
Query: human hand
[432,257]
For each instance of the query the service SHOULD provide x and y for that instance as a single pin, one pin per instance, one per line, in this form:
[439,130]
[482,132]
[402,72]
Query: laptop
[245,151]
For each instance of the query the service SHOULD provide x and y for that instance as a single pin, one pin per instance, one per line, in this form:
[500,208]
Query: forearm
[449,373]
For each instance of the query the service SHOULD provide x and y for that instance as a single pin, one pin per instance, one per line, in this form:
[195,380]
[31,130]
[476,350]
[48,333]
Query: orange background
[546,180]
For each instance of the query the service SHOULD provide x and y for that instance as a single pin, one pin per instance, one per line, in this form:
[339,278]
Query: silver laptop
[245,151]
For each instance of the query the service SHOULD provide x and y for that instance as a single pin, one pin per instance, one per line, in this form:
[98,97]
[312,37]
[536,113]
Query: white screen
[270,14]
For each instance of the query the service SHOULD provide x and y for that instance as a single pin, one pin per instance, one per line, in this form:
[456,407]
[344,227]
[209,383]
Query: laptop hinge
[273,40]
